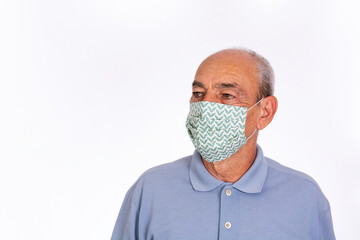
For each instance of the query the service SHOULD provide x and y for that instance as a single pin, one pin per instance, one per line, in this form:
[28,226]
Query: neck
[234,167]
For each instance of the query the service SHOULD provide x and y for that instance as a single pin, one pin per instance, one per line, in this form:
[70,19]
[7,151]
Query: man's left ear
[268,109]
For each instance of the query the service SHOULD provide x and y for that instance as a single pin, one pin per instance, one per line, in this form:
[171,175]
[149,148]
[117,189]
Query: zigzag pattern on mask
[216,130]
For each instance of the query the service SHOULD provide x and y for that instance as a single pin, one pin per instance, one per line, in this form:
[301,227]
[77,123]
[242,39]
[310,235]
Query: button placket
[227,230]
[228,193]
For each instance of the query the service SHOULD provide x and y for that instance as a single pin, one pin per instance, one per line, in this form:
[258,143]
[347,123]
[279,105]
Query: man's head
[244,63]
[238,77]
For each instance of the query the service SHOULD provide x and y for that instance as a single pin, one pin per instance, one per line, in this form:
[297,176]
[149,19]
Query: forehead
[239,69]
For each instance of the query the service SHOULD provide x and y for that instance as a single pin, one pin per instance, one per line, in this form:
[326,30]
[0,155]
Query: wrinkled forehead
[223,68]
[234,61]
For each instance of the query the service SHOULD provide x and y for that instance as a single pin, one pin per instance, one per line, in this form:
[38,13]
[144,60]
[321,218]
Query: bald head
[248,60]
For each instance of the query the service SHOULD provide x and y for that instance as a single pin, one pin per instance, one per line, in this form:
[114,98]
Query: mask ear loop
[255,128]
[251,134]
[255,104]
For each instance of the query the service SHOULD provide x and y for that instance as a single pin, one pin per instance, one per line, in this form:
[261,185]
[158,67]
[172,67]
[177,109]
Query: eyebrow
[226,85]
[197,84]
[219,85]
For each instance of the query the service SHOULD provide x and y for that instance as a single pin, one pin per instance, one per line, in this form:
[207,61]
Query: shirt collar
[251,182]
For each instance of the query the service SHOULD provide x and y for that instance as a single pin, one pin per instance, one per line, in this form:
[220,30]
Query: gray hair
[265,72]
[266,75]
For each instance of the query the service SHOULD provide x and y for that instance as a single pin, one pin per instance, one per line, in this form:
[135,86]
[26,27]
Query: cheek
[251,122]
[194,99]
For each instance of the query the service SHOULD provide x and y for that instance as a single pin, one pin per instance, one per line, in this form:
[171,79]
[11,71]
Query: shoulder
[295,182]
[181,163]
[161,177]
[286,172]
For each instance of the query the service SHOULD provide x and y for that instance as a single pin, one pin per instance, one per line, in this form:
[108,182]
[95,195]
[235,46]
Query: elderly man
[227,189]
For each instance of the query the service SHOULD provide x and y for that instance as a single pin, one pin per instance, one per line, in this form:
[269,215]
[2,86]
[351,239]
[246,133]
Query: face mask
[217,130]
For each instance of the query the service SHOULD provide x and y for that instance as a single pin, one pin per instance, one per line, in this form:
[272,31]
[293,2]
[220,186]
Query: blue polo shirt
[181,200]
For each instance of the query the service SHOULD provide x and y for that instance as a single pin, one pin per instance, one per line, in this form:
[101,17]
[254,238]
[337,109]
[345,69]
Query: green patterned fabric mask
[217,130]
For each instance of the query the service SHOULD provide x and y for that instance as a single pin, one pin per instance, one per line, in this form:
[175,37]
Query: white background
[93,93]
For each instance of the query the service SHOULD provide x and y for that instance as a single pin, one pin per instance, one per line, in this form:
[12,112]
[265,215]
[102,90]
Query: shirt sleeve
[127,220]
[326,226]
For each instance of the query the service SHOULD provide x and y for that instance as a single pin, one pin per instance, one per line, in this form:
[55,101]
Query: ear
[268,109]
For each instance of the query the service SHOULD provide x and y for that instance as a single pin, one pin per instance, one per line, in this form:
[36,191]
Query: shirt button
[228,192]
[228,225]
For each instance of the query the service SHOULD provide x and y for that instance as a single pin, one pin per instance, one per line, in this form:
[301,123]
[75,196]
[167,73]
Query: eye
[198,94]
[228,96]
